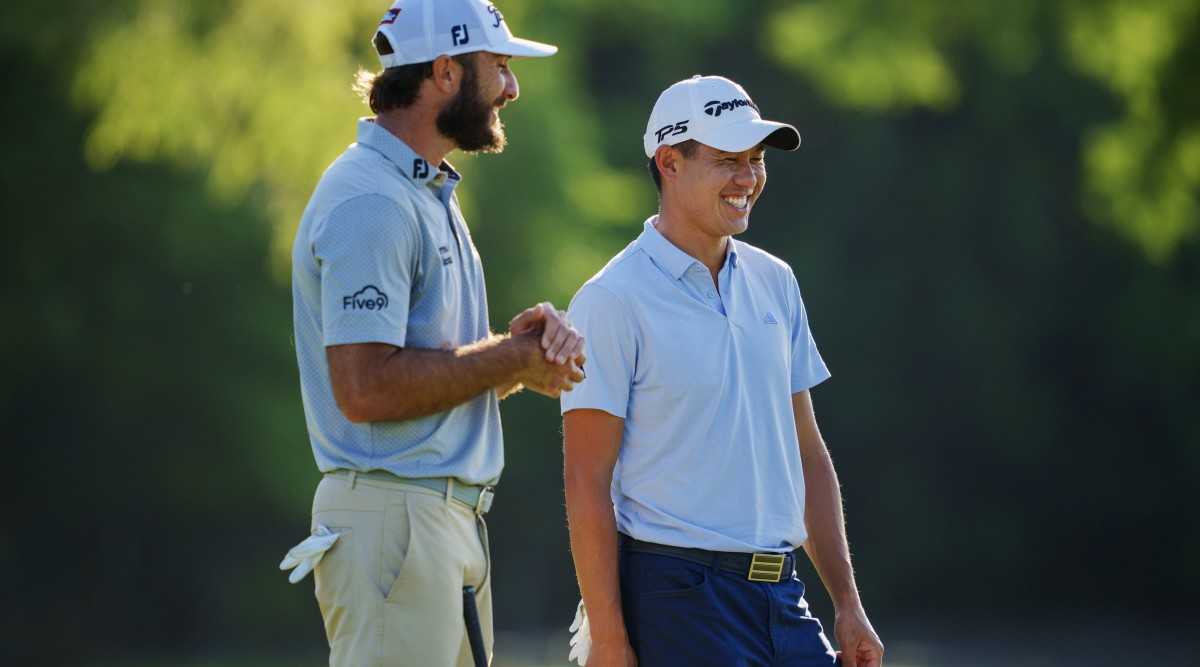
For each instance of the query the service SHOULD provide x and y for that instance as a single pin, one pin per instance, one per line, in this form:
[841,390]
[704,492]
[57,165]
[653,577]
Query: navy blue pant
[678,612]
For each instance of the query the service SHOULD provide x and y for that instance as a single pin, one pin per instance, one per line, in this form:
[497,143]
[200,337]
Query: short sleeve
[610,343]
[368,250]
[808,368]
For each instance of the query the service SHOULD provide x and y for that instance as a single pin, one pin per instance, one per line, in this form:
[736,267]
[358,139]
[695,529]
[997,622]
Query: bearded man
[400,373]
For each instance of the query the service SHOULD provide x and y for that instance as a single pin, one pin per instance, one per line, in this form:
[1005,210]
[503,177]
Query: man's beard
[467,119]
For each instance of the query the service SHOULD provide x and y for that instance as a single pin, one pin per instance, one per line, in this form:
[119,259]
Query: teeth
[736,202]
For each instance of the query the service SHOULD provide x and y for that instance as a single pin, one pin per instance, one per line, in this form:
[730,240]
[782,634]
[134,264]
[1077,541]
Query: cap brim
[524,48]
[750,133]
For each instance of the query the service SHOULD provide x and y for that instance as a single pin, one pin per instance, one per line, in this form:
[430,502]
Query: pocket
[670,584]
[375,528]
[369,555]
[654,577]
[670,613]
[337,573]
[395,544]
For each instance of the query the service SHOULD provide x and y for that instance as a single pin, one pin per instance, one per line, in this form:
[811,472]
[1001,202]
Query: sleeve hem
[611,408]
[364,336]
[799,386]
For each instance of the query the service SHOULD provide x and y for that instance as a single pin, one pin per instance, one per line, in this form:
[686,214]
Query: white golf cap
[418,31]
[716,112]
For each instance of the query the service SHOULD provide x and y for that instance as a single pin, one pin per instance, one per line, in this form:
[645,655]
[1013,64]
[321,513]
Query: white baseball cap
[418,31]
[716,112]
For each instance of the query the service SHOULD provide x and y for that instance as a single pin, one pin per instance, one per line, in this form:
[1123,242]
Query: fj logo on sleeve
[367,298]
[445,253]
[770,319]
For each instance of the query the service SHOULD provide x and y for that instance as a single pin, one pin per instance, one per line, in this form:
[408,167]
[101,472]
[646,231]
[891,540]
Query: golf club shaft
[474,631]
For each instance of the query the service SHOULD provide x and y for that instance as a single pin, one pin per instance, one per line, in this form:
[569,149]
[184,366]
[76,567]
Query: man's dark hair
[397,87]
[686,148]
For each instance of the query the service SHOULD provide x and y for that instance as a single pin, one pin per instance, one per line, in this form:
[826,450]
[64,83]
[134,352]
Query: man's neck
[708,250]
[417,128]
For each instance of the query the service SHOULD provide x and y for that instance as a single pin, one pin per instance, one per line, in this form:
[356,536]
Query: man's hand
[860,645]
[559,339]
[547,377]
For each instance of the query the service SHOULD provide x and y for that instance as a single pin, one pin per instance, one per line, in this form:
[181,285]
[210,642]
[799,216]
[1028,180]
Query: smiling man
[694,468]
[399,371]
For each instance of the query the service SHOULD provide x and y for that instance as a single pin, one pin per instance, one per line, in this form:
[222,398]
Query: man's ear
[447,74]
[668,160]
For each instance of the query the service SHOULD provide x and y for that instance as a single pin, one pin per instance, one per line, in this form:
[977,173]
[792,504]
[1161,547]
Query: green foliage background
[993,218]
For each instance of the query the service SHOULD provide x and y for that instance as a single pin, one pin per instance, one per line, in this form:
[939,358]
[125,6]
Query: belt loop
[350,479]
[449,489]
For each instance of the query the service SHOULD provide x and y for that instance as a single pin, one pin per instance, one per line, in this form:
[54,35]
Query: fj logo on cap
[390,17]
[496,15]
[460,35]
[367,298]
[715,107]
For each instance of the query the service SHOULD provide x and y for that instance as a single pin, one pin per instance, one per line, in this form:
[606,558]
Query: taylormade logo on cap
[418,31]
[716,112]
[714,108]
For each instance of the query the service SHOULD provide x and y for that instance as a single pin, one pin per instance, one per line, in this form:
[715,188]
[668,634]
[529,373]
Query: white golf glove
[305,556]
[581,641]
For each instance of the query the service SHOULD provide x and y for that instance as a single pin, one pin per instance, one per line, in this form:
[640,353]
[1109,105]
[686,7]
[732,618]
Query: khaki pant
[390,588]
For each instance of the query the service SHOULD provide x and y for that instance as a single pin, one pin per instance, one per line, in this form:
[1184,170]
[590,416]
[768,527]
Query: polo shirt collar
[675,261]
[413,166]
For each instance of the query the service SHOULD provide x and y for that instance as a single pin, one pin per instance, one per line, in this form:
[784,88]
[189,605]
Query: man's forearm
[593,532]
[407,383]
[591,442]
[826,546]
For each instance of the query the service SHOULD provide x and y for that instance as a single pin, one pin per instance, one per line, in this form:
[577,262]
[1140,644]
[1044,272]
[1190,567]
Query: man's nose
[511,89]
[744,175]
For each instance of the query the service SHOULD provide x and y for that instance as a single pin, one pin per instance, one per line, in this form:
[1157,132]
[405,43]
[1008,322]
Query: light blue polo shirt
[383,255]
[703,377]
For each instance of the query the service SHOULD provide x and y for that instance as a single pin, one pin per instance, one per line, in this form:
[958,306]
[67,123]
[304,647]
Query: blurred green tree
[1142,168]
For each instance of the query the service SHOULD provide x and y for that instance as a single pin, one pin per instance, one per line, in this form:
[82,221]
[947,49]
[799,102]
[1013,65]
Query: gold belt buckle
[766,567]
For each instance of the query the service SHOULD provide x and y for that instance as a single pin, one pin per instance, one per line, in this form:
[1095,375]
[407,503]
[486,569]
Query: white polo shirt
[383,255]
[703,378]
